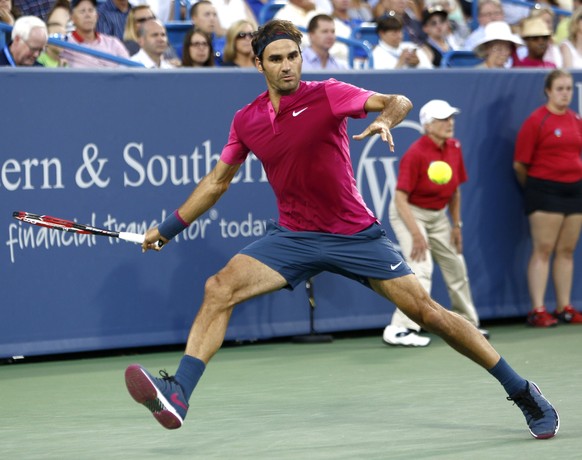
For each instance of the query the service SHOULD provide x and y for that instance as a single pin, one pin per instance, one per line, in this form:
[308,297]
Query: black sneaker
[540,415]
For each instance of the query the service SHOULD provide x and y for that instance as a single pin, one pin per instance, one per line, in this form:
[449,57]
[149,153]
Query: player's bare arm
[393,108]
[204,196]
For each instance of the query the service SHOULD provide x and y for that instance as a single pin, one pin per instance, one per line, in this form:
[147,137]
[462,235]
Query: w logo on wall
[377,167]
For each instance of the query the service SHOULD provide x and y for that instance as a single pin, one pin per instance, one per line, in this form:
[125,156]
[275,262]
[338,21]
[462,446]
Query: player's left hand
[376,128]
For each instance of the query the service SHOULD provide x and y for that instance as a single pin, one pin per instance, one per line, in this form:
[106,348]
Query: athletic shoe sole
[548,435]
[144,391]
[408,345]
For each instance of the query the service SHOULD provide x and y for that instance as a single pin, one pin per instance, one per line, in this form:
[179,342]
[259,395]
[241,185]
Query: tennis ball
[440,172]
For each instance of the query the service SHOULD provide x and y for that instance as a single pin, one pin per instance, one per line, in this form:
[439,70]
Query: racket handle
[136,238]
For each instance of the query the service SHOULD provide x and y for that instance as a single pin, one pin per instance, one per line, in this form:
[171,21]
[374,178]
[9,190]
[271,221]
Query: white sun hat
[496,30]
[436,110]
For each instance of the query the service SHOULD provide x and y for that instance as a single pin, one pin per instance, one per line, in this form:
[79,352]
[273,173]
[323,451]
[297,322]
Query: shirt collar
[82,40]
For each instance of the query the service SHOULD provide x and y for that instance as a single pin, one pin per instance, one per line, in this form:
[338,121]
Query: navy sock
[189,372]
[511,380]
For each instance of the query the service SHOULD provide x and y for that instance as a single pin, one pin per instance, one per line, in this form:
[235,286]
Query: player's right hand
[153,240]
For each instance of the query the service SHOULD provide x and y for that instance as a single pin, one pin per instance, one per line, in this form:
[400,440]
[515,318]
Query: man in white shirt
[392,53]
[153,42]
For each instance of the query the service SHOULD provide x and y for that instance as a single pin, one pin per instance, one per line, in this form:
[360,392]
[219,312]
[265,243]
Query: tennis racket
[74,227]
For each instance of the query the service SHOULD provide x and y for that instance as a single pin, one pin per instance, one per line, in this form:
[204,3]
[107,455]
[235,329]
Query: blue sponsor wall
[121,149]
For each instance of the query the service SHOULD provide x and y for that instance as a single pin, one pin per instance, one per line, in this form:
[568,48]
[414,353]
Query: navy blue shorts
[298,256]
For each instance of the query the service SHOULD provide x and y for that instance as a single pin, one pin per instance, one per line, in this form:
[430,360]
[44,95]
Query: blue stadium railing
[82,49]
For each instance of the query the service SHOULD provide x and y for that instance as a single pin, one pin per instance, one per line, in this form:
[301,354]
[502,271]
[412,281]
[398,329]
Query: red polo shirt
[550,145]
[413,172]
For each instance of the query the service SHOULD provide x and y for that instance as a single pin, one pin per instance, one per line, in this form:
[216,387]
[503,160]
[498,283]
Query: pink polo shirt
[305,152]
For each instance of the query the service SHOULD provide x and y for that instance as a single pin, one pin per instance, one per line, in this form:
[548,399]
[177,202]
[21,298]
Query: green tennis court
[354,398]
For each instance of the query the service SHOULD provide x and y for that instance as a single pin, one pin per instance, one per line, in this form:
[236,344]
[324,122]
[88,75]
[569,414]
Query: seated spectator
[412,25]
[60,13]
[571,48]
[162,9]
[436,26]
[51,56]
[488,11]
[29,37]
[515,13]
[136,17]
[343,28]
[563,27]
[393,53]
[112,17]
[536,34]
[204,17]
[496,46]
[360,11]
[299,12]
[231,11]
[7,15]
[458,27]
[238,51]
[317,56]
[197,49]
[153,42]
[84,18]
[553,53]
[38,8]
[7,12]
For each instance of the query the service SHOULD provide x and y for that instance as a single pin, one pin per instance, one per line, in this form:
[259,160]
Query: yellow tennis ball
[440,172]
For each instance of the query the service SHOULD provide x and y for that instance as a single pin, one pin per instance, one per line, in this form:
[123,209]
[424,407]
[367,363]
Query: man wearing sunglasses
[29,38]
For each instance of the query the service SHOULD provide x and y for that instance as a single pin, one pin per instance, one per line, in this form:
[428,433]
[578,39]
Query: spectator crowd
[401,34]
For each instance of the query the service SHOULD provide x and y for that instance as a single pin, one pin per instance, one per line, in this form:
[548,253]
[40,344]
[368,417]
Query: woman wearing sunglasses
[238,51]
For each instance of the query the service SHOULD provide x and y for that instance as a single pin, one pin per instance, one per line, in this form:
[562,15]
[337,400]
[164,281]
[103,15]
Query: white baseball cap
[436,110]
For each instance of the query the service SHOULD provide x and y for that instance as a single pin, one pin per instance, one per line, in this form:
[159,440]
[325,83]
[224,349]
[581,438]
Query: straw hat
[496,31]
[535,27]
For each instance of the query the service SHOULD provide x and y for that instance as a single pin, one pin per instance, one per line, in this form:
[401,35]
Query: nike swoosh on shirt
[394,267]
[299,112]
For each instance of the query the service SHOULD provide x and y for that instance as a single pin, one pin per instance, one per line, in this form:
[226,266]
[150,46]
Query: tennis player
[298,131]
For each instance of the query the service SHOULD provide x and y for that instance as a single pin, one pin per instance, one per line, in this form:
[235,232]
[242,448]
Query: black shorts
[550,196]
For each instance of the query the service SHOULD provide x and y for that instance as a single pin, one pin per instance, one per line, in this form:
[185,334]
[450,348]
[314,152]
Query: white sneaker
[394,335]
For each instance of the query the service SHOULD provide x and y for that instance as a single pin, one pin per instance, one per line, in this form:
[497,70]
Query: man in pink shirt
[84,17]
[299,132]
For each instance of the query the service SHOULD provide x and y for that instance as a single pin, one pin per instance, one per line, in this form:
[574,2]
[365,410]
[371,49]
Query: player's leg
[407,293]
[243,278]
[167,397]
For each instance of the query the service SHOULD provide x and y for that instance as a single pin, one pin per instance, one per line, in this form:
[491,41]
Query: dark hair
[65,4]
[387,23]
[553,76]
[314,22]
[275,30]
[186,58]
[194,7]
